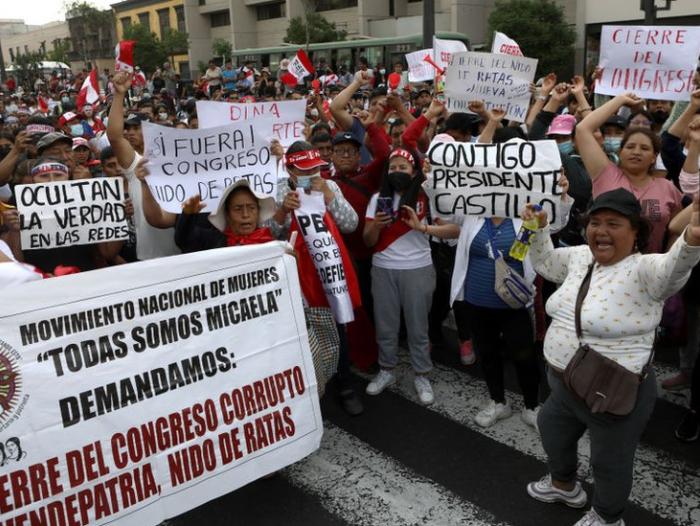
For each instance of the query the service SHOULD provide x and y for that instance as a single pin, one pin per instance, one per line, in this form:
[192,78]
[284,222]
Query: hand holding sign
[291,202]
[193,205]
[141,171]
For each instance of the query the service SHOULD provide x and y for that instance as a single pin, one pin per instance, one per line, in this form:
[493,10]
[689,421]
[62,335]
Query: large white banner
[135,393]
[501,81]
[418,69]
[493,180]
[67,213]
[281,120]
[184,163]
[654,62]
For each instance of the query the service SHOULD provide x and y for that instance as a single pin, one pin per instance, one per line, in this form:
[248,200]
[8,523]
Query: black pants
[363,269]
[343,373]
[510,330]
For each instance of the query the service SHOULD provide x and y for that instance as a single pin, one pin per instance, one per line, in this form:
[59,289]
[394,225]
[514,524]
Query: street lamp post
[428,23]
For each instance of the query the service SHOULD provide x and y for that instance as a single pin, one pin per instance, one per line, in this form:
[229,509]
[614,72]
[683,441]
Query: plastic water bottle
[523,240]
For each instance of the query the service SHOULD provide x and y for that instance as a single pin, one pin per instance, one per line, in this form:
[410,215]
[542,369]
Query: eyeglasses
[345,152]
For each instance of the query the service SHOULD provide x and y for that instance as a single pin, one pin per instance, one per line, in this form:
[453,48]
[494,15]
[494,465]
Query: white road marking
[367,488]
[662,484]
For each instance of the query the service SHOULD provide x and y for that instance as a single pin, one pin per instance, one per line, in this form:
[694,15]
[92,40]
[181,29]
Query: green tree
[60,52]
[174,42]
[319,30]
[220,47]
[149,52]
[86,23]
[29,67]
[540,29]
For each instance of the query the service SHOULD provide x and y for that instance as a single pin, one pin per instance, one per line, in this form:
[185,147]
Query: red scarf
[399,228]
[261,235]
[308,276]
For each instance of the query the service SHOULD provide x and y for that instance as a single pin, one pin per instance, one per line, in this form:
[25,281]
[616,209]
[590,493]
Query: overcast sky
[41,11]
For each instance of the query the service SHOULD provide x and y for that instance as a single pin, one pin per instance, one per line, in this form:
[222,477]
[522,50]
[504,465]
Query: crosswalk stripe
[662,484]
[367,488]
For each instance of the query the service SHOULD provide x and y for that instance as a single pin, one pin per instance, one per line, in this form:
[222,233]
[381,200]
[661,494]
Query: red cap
[305,160]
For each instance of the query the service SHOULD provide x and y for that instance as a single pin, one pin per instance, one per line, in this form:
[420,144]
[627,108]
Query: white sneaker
[492,413]
[593,519]
[544,491]
[424,390]
[380,382]
[529,416]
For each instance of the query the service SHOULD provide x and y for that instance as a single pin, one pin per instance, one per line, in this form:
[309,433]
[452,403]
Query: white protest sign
[505,45]
[443,50]
[501,81]
[184,163]
[172,382]
[281,120]
[418,69]
[67,213]
[653,62]
[325,254]
[493,180]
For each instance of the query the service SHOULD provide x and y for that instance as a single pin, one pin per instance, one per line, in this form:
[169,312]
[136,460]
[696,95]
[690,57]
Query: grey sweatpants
[410,291]
[563,419]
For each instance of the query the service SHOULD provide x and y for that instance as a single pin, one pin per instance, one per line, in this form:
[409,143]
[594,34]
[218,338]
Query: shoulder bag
[509,285]
[601,383]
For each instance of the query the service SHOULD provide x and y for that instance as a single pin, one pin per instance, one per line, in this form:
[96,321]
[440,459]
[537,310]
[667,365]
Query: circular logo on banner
[10,382]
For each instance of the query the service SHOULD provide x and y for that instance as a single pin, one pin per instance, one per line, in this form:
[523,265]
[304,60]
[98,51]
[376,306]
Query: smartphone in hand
[385,205]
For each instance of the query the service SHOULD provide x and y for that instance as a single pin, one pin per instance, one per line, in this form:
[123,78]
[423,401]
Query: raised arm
[593,155]
[550,263]
[689,176]
[115,127]
[8,164]
[339,106]
[154,214]
[541,95]
[495,116]
[681,124]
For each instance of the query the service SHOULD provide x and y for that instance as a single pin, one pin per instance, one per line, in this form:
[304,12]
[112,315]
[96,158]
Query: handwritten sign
[418,69]
[281,120]
[501,81]
[494,180]
[141,391]
[184,163]
[653,62]
[67,213]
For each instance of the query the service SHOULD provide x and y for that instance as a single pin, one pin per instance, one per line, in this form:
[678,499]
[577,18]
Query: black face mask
[659,116]
[400,181]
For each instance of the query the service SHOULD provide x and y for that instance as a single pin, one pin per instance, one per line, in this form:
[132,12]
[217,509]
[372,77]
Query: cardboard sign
[325,254]
[444,50]
[504,45]
[184,163]
[172,382]
[418,69]
[501,81]
[81,212]
[652,62]
[493,180]
[281,120]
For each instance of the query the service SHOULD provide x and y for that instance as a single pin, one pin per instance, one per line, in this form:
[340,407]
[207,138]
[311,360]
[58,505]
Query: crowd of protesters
[630,171]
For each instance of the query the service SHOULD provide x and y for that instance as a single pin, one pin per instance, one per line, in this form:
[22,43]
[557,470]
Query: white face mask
[163,116]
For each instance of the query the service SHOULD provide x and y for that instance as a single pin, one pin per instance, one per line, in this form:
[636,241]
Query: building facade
[92,41]
[158,15]
[46,38]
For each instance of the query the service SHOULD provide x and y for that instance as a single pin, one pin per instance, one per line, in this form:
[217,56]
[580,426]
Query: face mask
[612,144]
[65,100]
[382,71]
[400,181]
[566,148]
[304,181]
[163,116]
[76,130]
[659,116]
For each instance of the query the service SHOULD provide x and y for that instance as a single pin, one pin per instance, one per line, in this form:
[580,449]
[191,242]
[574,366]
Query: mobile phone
[385,205]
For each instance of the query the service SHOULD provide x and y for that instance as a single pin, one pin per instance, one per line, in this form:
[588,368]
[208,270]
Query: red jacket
[359,188]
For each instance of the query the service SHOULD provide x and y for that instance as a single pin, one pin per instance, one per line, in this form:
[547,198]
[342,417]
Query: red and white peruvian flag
[125,56]
[90,91]
[43,105]
[300,66]
[139,79]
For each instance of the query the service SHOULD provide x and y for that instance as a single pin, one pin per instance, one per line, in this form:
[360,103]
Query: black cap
[346,137]
[135,119]
[616,120]
[619,200]
[52,138]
